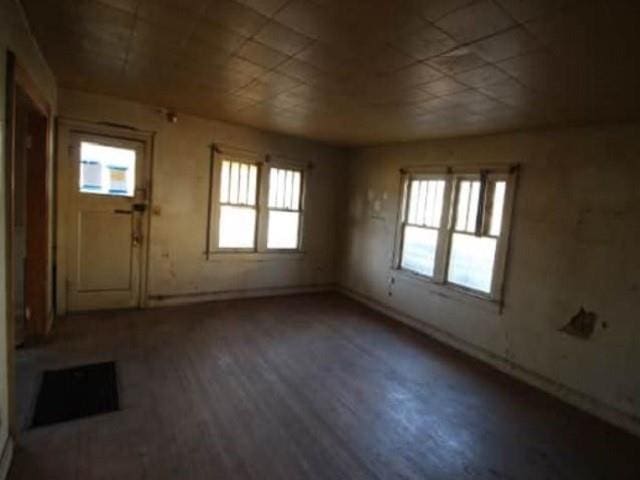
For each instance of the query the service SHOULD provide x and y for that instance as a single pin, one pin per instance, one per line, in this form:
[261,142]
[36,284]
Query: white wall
[575,242]
[15,36]
[178,269]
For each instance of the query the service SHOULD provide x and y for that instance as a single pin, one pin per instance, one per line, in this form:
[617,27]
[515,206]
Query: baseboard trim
[161,300]
[582,401]
[7,457]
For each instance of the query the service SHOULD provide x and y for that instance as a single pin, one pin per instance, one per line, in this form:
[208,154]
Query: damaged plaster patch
[581,325]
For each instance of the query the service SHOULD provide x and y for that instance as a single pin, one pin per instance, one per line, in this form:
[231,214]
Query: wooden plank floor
[301,387]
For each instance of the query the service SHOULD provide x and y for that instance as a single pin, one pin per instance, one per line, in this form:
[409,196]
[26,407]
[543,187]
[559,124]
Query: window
[238,195]
[255,205]
[107,170]
[285,188]
[452,228]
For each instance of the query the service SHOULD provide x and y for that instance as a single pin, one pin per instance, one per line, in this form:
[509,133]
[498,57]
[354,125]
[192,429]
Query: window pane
[419,249]
[238,183]
[425,203]
[253,184]
[107,170]
[471,261]
[224,182]
[297,184]
[234,182]
[237,227]
[243,190]
[288,196]
[414,191]
[280,194]
[273,191]
[422,200]
[436,199]
[431,203]
[283,230]
[468,203]
[284,189]
[464,189]
[474,202]
[497,209]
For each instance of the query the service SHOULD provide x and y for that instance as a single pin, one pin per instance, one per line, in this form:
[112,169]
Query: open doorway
[28,259]
[30,220]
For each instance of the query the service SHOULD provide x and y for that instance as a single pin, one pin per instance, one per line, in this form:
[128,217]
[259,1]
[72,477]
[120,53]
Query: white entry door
[106,220]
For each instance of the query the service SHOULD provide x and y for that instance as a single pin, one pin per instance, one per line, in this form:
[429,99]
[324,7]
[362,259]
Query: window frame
[264,163]
[453,176]
[284,165]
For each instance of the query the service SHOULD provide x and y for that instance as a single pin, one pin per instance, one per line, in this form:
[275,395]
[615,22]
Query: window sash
[404,262]
[279,201]
[440,227]
[237,248]
[221,198]
[294,189]
[238,193]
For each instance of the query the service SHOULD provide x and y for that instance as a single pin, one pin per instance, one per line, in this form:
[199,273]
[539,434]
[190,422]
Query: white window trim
[264,162]
[452,175]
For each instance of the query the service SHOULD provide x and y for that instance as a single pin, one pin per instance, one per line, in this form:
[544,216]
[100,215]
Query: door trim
[67,128]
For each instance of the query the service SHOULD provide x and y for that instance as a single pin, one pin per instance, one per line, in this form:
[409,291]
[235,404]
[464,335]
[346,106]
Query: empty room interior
[320,239]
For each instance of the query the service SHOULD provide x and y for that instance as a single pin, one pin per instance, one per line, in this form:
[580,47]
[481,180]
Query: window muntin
[238,200]
[107,170]
[457,238]
[422,224]
[285,200]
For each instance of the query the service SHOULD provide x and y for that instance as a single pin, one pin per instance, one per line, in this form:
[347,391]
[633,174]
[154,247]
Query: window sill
[449,291]
[274,256]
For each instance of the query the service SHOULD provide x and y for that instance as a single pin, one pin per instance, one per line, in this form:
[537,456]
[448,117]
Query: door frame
[67,129]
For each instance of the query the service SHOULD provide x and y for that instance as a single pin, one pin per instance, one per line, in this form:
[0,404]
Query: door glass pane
[471,261]
[107,170]
[283,230]
[419,250]
[237,227]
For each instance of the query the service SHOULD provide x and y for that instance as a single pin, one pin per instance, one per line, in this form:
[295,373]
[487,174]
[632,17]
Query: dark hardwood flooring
[301,387]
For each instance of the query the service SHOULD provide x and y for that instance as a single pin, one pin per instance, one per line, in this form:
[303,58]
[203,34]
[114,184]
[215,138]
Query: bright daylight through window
[424,216]
[452,229]
[285,188]
[238,194]
[106,170]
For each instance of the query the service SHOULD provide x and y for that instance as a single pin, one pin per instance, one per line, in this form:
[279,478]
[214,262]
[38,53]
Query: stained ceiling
[354,72]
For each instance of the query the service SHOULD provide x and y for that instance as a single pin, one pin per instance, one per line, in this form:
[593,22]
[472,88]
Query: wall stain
[581,325]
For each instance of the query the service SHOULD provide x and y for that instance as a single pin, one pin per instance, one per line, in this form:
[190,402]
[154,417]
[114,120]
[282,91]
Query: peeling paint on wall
[581,325]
